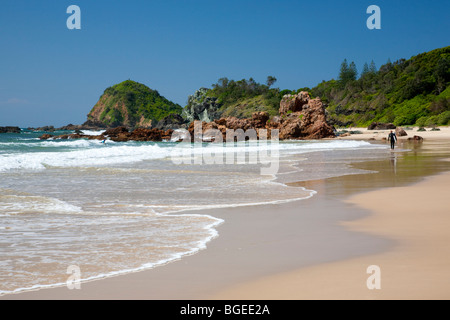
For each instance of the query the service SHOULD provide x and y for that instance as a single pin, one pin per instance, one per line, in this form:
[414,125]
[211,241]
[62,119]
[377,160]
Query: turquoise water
[122,207]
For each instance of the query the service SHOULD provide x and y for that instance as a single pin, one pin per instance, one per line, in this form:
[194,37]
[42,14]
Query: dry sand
[378,135]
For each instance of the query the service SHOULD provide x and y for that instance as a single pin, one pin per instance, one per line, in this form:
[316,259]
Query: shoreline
[415,268]
[257,243]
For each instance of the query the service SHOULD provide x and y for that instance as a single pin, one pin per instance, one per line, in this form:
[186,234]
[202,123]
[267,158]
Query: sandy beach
[443,133]
[416,218]
[318,248]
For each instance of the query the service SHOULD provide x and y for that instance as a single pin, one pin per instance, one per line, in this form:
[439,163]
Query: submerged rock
[416,139]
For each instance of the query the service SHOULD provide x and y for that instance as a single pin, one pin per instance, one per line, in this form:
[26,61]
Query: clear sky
[50,75]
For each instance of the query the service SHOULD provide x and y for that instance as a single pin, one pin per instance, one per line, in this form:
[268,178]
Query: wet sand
[416,218]
[262,251]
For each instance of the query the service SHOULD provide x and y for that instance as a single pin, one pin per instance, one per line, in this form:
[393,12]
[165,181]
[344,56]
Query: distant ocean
[116,208]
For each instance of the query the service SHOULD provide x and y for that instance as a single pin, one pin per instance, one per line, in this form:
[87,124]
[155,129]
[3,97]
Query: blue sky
[50,75]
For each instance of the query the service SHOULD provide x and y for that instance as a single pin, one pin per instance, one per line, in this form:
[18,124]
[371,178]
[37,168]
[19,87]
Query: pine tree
[270,81]
[344,72]
[352,72]
[348,72]
[372,68]
[365,70]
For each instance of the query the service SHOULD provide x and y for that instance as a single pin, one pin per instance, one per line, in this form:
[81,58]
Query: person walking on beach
[393,139]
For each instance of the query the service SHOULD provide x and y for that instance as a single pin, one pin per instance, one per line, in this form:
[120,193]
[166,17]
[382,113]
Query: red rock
[46,136]
[309,123]
[416,138]
[294,103]
[115,131]
[259,119]
[400,132]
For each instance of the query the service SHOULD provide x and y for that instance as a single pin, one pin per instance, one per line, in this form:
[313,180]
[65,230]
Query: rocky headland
[300,118]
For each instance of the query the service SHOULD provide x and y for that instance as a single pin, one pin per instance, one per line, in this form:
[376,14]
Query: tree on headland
[442,74]
[347,72]
[365,70]
[372,67]
[369,69]
[270,81]
[404,92]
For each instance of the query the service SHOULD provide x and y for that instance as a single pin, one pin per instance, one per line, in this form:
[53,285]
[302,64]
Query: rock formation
[301,118]
[130,104]
[416,139]
[10,130]
[119,134]
[201,107]
[172,121]
[400,132]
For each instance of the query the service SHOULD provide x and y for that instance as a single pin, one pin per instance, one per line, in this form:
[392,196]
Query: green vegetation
[242,98]
[406,92]
[129,103]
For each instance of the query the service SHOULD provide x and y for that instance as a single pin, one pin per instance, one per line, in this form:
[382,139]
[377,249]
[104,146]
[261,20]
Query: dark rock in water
[416,139]
[10,130]
[381,126]
[173,121]
[121,134]
[46,136]
[70,127]
[115,131]
[45,129]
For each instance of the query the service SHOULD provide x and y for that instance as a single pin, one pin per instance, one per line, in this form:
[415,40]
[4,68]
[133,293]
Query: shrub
[444,118]
[432,121]
[421,122]
[404,119]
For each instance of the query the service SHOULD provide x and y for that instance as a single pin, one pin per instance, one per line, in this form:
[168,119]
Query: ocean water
[115,208]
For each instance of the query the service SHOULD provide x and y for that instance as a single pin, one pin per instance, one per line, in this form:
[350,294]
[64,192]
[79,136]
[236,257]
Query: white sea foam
[69,143]
[92,132]
[209,233]
[23,204]
[96,156]
[62,223]
[92,153]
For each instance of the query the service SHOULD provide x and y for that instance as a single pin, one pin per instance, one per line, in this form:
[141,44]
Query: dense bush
[132,100]
[243,97]
[402,92]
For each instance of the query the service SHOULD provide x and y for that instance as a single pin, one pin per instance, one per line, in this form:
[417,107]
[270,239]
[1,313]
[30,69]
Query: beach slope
[416,217]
